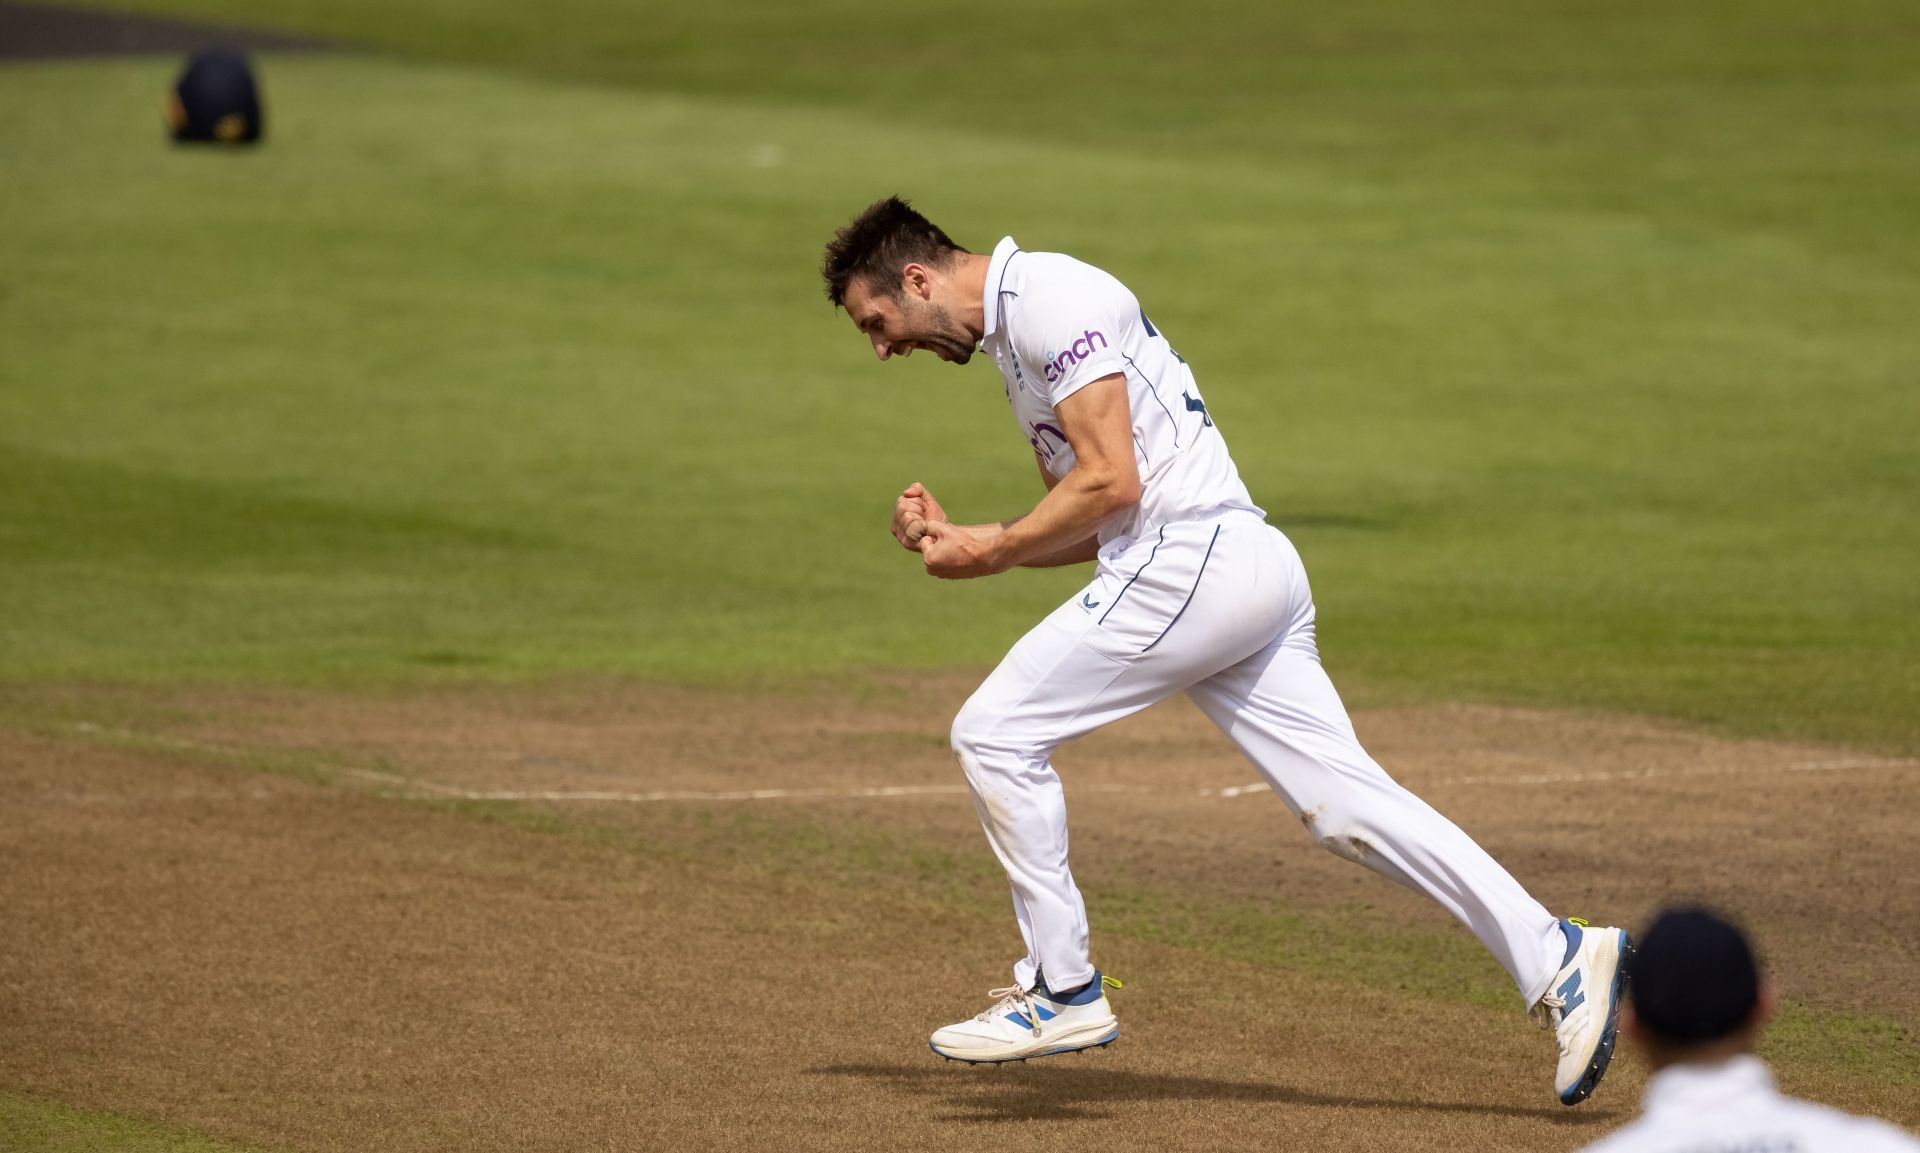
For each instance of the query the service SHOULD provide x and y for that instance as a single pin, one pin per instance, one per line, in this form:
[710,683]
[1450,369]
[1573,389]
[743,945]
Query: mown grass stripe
[33,1124]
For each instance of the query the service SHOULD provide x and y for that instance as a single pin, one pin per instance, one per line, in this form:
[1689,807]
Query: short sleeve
[1068,333]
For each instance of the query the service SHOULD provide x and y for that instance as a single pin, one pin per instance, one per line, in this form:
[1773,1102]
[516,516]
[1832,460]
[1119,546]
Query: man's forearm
[1078,552]
[1063,528]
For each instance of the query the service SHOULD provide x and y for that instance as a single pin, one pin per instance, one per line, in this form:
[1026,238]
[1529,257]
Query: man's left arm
[1104,480]
[1079,552]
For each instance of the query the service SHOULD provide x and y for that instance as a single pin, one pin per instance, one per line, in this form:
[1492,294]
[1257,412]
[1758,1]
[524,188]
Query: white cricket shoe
[1583,1006]
[1027,1023]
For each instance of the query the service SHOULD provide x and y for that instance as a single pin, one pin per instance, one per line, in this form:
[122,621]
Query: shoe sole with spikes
[1054,1049]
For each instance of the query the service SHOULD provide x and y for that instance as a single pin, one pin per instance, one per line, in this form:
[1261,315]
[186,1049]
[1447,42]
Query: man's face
[898,325]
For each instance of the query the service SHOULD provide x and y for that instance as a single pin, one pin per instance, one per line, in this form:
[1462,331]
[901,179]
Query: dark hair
[1693,978]
[881,241]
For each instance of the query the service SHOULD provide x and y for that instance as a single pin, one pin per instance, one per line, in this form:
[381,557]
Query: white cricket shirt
[1732,1107]
[1055,325]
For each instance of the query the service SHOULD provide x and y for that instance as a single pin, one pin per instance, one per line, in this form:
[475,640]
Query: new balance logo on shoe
[1020,1019]
[1571,993]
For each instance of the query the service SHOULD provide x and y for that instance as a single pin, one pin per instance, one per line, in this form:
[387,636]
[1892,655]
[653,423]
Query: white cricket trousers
[1219,609]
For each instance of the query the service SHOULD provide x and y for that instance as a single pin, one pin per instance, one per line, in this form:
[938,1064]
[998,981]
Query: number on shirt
[1194,403]
[1152,331]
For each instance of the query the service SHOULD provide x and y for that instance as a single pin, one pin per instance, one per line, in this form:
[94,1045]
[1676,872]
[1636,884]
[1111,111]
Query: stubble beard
[943,335]
[955,351]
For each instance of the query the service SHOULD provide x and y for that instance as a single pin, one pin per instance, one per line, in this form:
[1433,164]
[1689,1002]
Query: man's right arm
[1079,552]
[916,503]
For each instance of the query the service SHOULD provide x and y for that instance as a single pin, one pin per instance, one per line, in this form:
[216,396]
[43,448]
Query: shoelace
[1017,997]
[1551,1012]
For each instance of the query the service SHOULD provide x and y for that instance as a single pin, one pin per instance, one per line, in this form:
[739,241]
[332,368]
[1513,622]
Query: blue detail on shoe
[1603,1053]
[1086,994]
[1106,1040]
[1572,932]
[1571,993]
[1021,1019]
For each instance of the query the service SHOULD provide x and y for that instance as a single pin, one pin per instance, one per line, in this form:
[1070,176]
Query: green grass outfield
[1574,345]
[34,1125]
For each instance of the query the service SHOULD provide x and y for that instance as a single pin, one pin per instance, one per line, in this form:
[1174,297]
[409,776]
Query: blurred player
[1192,591]
[1698,1005]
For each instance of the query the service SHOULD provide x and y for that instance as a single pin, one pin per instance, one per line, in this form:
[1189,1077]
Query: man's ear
[916,281]
[1764,1005]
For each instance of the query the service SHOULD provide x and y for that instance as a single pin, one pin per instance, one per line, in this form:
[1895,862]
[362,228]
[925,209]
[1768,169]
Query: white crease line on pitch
[856,793]
[455,792]
[654,797]
[1601,776]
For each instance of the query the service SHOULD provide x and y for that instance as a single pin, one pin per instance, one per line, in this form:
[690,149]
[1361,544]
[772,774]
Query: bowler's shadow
[1076,1091]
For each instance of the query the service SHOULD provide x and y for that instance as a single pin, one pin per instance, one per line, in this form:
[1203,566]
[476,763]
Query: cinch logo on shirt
[1080,350]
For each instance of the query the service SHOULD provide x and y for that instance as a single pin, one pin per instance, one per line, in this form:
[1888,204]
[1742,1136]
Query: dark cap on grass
[1693,978]
[216,101]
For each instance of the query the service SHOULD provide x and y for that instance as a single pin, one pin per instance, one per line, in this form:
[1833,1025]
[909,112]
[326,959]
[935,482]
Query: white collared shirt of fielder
[1054,325]
[1733,1107]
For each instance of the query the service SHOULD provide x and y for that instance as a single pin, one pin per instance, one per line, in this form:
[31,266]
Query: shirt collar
[1689,1089]
[996,278]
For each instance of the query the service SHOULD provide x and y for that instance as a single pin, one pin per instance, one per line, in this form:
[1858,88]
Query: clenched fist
[914,509]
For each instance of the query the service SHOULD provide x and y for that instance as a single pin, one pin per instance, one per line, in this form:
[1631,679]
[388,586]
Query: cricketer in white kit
[1192,591]
[1698,1006]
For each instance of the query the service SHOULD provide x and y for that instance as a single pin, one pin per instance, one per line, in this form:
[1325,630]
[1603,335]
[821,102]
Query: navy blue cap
[1692,977]
[216,100]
